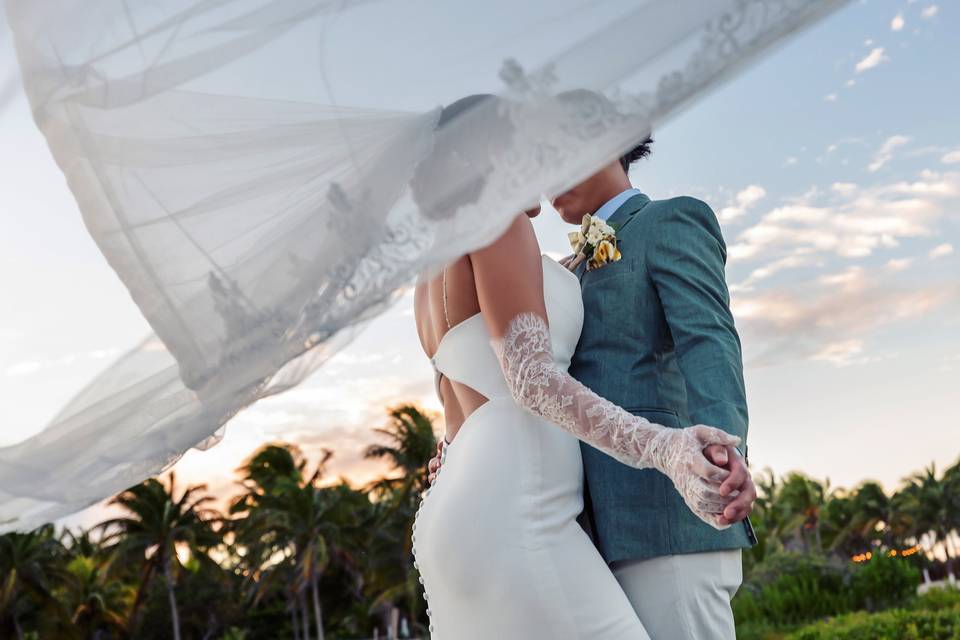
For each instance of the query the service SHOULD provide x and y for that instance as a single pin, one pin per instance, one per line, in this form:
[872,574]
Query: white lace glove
[541,386]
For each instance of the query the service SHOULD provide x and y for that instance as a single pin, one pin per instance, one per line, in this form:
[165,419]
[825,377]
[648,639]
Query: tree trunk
[145,576]
[294,619]
[393,630]
[172,598]
[304,617]
[316,606]
[948,549]
[16,625]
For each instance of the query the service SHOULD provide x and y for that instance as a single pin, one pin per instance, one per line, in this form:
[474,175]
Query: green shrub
[789,590]
[896,624]
[884,583]
[793,588]
[760,631]
[937,600]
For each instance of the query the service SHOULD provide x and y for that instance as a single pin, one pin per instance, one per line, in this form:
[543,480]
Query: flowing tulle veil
[245,167]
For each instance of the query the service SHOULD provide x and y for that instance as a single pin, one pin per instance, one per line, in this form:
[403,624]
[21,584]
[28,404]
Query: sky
[834,167]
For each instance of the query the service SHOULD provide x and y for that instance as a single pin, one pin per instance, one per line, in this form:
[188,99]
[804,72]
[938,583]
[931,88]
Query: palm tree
[263,557]
[765,519]
[800,501]
[931,503]
[869,519]
[411,443]
[81,543]
[838,530]
[290,526]
[157,523]
[30,563]
[951,480]
[95,601]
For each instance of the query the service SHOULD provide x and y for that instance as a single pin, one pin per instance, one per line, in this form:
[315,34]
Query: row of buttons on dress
[413,537]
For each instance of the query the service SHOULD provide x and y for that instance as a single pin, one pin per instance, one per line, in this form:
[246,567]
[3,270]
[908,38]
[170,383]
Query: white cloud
[830,97]
[848,279]
[830,318]
[766,271]
[744,199]
[899,264]
[885,153]
[952,157]
[790,161]
[897,23]
[849,220]
[844,187]
[871,60]
[941,251]
[840,354]
[850,82]
[929,12]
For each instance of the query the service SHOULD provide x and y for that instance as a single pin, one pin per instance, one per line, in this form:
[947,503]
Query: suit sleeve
[686,262]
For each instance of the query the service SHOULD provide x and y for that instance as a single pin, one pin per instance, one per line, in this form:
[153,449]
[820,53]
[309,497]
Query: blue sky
[834,165]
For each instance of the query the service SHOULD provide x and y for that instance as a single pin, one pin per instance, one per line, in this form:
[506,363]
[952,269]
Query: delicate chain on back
[446,313]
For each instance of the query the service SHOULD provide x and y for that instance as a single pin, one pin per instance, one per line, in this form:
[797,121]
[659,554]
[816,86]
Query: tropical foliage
[296,553]
[825,552]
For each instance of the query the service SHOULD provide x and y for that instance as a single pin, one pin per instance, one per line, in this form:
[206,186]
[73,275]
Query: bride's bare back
[501,280]
[435,317]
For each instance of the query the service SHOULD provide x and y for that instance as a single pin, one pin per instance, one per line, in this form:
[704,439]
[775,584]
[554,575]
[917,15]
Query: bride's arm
[509,280]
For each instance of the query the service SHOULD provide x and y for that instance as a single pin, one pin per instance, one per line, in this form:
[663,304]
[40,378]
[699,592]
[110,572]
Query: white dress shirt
[614,203]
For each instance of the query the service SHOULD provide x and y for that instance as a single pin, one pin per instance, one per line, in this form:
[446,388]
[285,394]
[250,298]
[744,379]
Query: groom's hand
[738,484]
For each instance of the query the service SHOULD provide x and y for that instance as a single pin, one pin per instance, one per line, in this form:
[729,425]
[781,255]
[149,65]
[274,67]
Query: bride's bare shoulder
[517,242]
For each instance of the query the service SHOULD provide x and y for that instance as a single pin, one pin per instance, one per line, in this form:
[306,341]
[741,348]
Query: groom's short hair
[640,151]
[597,101]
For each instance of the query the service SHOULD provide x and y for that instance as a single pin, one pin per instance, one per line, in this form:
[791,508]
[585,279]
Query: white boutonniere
[595,242]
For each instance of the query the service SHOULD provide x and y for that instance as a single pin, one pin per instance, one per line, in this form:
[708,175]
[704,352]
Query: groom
[659,340]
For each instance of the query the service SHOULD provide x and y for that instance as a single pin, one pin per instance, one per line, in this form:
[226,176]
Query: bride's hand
[433,467]
[695,477]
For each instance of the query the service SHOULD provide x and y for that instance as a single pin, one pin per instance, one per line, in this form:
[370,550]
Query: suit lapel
[620,219]
[627,212]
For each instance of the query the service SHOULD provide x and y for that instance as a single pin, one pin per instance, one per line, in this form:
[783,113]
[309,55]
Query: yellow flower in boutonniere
[596,242]
[605,252]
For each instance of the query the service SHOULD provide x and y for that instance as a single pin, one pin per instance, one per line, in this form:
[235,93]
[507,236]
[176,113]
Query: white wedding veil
[265,176]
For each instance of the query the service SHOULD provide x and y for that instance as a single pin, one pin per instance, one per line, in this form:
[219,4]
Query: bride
[496,539]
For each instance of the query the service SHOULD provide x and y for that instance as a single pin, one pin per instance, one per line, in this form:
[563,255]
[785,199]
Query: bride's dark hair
[455,172]
[472,132]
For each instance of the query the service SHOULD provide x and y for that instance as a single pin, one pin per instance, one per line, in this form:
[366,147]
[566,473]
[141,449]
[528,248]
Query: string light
[903,553]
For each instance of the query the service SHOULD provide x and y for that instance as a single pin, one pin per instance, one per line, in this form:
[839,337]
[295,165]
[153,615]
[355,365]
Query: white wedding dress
[496,541]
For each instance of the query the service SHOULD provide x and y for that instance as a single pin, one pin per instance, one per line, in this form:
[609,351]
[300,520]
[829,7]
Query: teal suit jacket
[659,340]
